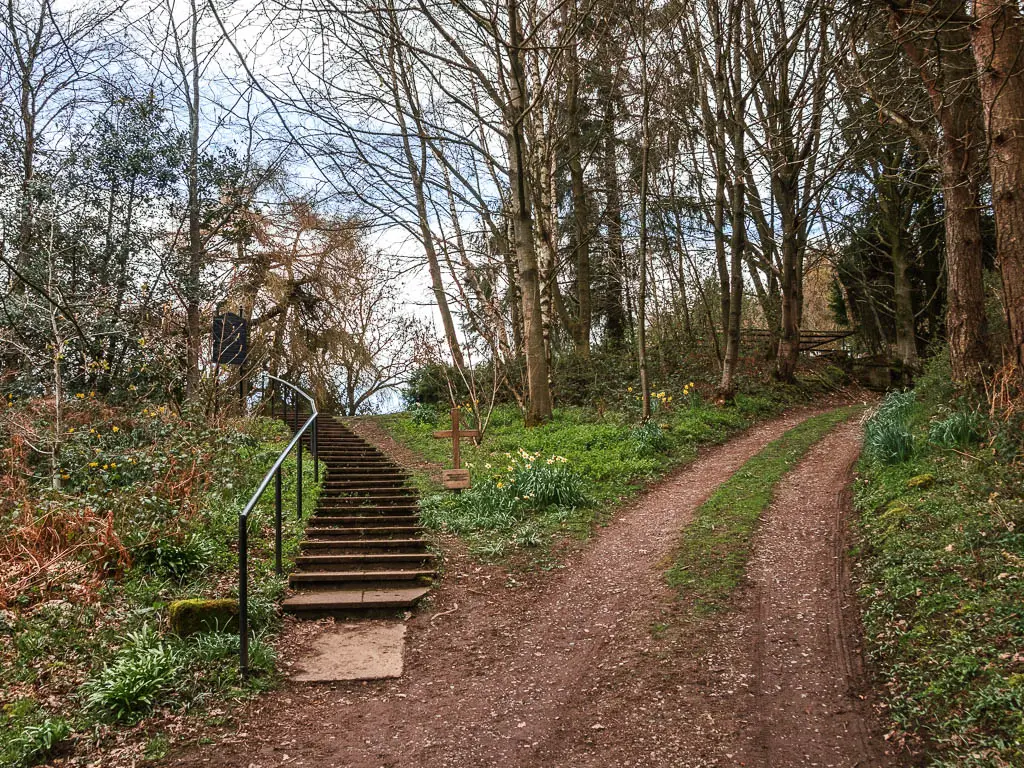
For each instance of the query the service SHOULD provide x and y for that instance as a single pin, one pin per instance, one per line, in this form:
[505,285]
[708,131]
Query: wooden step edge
[354,599]
[300,577]
[313,543]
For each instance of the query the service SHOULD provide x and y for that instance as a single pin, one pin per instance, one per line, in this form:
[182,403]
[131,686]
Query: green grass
[716,546]
[608,456]
[87,651]
[940,563]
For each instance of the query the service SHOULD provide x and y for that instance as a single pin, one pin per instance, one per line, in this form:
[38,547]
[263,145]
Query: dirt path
[584,666]
[803,635]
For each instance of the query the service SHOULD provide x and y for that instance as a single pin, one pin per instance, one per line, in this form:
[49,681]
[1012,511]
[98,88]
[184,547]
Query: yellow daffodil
[94,463]
[113,465]
[115,429]
[64,477]
[70,430]
[500,484]
[80,396]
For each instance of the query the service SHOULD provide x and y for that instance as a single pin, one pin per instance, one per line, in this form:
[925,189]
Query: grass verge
[940,564]
[531,486]
[716,546]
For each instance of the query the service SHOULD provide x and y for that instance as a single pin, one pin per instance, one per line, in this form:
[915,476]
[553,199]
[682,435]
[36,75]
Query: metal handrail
[274,473]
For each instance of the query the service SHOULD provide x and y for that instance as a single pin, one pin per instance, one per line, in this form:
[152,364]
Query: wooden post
[456,479]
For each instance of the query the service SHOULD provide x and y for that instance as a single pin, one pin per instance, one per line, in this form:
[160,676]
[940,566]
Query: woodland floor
[593,663]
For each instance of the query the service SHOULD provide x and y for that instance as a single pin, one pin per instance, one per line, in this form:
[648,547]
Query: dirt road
[589,665]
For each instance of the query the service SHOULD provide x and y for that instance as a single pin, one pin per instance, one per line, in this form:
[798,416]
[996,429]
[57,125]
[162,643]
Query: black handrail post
[274,474]
[298,481]
[316,449]
[243,594]
[277,521]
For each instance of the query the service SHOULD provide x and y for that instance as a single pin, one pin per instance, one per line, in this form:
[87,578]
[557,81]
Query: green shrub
[935,386]
[888,441]
[176,559]
[897,406]
[648,438]
[140,678]
[36,742]
[424,413]
[887,435]
[958,430]
[28,735]
[522,501]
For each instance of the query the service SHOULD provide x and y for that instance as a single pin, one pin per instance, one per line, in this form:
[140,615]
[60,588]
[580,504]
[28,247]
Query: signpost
[230,339]
[231,344]
[458,478]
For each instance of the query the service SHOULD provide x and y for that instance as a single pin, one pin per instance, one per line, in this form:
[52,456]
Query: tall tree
[998,38]
[935,37]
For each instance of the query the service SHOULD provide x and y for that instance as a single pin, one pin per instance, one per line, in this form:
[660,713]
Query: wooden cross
[456,478]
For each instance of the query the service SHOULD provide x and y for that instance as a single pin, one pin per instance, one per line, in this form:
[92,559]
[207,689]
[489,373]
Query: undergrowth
[940,562]
[716,546]
[531,486]
[146,514]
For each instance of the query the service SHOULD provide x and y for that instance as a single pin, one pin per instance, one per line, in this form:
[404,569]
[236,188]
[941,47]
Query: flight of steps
[364,550]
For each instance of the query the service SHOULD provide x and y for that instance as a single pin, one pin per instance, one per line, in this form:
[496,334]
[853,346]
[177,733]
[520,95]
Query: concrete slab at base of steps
[366,650]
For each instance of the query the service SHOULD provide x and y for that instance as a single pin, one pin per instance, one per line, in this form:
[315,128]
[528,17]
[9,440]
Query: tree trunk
[538,388]
[195,245]
[645,141]
[953,90]
[792,287]
[727,385]
[615,328]
[903,299]
[998,36]
[580,215]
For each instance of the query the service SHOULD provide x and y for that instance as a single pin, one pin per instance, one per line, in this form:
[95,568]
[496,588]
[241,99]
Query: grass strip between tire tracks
[713,556]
